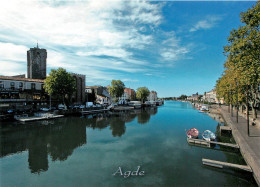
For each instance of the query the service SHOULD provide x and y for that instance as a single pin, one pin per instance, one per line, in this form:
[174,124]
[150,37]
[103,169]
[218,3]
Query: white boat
[204,108]
[208,135]
[150,103]
[135,104]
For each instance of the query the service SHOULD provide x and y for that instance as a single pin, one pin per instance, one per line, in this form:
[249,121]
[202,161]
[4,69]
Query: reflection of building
[40,140]
[36,63]
[100,94]
[152,96]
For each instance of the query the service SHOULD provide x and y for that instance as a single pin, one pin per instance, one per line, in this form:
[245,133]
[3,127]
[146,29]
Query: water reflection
[117,120]
[57,140]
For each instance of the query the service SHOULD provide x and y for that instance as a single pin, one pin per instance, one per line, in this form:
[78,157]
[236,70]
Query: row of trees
[117,87]
[61,85]
[240,80]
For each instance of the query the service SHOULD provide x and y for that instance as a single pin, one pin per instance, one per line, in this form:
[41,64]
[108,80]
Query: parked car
[53,108]
[82,106]
[10,111]
[61,107]
[44,109]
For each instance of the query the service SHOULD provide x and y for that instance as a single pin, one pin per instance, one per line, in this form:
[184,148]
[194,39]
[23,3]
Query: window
[20,84]
[12,85]
[1,84]
[33,86]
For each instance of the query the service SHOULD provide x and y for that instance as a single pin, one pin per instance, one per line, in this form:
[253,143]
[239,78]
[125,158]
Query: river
[87,151]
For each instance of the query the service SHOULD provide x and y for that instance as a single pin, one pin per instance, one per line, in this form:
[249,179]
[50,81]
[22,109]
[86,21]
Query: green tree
[182,97]
[142,93]
[116,89]
[242,67]
[60,83]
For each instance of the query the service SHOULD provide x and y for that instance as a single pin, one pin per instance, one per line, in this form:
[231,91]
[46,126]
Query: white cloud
[12,52]
[172,49]
[77,34]
[206,23]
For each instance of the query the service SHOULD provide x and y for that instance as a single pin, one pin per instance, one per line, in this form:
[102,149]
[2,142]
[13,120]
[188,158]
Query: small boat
[204,108]
[208,135]
[192,133]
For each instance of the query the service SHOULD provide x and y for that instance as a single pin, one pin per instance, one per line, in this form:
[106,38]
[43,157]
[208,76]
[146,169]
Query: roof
[20,79]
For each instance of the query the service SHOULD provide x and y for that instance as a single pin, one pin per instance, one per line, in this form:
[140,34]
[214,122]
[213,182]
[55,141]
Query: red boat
[192,133]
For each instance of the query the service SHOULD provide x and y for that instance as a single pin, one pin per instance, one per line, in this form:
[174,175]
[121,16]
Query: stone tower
[36,63]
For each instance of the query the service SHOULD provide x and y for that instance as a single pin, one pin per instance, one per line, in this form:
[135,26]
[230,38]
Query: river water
[87,151]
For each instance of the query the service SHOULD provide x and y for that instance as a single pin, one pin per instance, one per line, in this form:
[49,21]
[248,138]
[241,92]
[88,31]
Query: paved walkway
[249,145]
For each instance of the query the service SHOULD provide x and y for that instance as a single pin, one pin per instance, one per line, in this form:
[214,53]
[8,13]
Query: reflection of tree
[58,139]
[129,117]
[143,117]
[117,126]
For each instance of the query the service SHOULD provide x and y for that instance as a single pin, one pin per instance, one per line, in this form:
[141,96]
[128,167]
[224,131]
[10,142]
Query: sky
[172,47]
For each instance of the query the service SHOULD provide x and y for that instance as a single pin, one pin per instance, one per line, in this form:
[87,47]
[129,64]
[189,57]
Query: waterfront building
[152,96]
[128,95]
[210,96]
[124,98]
[131,93]
[15,91]
[98,94]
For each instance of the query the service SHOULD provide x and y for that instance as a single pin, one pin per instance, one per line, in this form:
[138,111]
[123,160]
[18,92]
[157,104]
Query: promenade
[249,144]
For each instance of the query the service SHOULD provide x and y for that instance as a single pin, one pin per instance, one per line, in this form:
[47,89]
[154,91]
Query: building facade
[152,96]
[101,93]
[78,96]
[36,63]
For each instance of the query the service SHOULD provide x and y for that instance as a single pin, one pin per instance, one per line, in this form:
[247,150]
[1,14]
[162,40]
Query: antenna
[37,44]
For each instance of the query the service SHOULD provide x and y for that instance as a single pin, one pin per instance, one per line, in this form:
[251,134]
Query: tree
[60,83]
[242,67]
[142,93]
[116,89]
[182,97]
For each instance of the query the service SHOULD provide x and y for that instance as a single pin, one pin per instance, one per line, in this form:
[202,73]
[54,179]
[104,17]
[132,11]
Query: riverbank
[249,142]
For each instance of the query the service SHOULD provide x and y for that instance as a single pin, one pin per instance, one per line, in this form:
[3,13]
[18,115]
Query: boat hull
[192,133]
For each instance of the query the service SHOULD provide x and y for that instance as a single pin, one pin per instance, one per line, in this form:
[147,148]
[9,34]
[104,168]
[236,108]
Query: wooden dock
[207,143]
[220,164]
[26,119]
[224,128]
[121,108]
[93,111]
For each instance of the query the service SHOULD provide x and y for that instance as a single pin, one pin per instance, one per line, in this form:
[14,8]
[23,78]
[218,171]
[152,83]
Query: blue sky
[173,47]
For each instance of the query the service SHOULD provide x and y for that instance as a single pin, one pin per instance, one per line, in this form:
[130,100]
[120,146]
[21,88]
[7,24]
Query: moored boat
[192,133]
[135,104]
[208,135]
